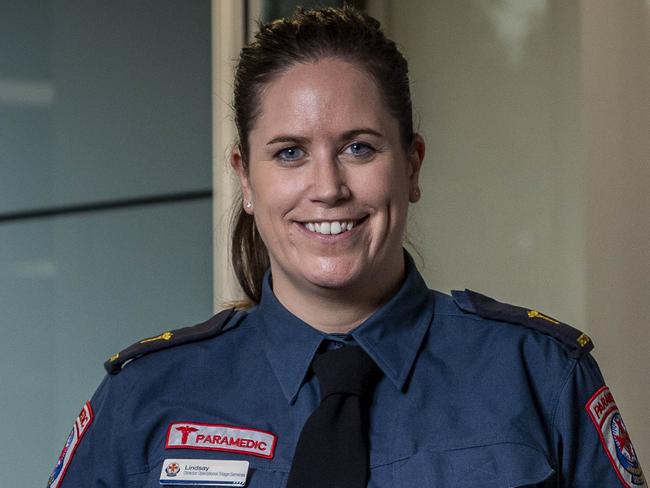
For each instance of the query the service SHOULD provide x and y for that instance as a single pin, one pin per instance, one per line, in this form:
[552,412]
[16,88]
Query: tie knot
[346,370]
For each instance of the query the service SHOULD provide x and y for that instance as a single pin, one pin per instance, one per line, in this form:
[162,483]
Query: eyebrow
[350,134]
[298,139]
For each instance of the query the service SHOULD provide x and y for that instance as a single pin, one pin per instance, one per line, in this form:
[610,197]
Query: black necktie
[332,451]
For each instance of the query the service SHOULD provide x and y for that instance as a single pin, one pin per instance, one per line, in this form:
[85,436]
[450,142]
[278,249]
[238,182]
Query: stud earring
[249,204]
[415,194]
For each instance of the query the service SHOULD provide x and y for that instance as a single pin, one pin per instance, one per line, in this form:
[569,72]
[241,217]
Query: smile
[332,227]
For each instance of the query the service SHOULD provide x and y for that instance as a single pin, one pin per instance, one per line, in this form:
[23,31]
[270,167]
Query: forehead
[327,96]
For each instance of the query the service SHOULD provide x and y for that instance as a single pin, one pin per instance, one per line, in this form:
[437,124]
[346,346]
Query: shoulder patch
[615,438]
[577,342]
[79,428]
[210,328]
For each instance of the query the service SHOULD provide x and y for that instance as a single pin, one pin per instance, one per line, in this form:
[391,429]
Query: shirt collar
[391,335]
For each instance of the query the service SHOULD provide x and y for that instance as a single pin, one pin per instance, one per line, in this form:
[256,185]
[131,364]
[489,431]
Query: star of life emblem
[172,469]
[615,438]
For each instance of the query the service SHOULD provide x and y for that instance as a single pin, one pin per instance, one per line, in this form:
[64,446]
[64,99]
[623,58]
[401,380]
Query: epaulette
[576,341]
[210,328]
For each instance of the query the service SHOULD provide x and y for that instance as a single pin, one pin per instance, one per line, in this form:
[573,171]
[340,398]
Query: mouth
[332,227]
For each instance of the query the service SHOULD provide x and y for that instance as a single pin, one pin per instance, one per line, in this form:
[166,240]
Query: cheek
[389,187]
[274,196]
[270,190]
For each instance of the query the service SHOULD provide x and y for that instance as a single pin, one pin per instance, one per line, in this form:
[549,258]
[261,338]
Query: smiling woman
[345,370]
[326,154]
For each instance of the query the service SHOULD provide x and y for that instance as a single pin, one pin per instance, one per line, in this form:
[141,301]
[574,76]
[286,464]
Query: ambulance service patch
[81,424]
[604,413]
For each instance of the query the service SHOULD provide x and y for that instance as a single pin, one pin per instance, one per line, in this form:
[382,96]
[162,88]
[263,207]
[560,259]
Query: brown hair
[307,36]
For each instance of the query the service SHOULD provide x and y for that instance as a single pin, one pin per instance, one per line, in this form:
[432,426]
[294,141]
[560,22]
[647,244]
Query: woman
[346,371]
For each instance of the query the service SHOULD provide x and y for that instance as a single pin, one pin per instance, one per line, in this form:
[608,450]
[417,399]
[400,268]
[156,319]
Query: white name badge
[203,472]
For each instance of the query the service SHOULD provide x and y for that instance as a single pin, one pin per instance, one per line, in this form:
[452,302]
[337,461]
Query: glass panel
[103,100]
[98,101]
[75,290]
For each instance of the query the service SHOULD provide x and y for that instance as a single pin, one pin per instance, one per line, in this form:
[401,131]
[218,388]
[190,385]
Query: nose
[329,184]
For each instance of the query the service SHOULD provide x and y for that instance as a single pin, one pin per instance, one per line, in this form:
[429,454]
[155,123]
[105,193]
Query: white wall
[615,101]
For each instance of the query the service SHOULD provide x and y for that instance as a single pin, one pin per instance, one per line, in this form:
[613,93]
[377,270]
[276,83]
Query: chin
[334,275]
[331,282]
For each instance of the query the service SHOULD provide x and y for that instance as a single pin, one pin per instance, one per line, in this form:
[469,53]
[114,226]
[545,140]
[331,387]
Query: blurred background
[114,123]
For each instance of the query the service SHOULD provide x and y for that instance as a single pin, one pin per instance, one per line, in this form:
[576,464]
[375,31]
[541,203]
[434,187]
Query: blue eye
[290,153]
[359,149]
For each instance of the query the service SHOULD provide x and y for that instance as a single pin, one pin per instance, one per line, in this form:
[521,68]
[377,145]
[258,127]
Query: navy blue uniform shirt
[463,402]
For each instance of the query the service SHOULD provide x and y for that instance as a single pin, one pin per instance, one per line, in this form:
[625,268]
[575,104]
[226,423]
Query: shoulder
[214,326]
[518,320]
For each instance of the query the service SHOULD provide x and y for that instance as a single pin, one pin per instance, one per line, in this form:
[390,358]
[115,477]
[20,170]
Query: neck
[337,311]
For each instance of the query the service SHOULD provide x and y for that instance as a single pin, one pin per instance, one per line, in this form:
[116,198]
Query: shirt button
[338,345]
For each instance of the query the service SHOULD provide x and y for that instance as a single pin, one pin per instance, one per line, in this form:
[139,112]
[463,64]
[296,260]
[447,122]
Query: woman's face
[329,180]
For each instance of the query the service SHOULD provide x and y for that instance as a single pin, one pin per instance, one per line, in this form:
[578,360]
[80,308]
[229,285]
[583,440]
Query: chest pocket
[500,465]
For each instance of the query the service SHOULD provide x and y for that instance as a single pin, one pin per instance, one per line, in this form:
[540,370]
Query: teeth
[333,227]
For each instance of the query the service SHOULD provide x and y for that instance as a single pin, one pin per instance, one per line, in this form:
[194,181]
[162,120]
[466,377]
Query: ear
[237,163]
[415,159]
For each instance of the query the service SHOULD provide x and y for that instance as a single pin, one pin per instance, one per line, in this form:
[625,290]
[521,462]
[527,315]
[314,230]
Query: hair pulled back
[306,37]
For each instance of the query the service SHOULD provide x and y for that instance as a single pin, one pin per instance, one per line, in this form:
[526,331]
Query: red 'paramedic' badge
[216,437]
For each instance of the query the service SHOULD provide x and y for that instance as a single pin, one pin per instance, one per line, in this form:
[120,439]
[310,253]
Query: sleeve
[593,447]
[93,455]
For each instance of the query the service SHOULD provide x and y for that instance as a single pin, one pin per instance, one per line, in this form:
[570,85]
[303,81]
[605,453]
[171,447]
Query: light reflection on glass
[514,21]
[26,92]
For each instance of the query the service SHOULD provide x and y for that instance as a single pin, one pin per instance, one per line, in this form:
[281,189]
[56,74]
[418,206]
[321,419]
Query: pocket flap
[498,465]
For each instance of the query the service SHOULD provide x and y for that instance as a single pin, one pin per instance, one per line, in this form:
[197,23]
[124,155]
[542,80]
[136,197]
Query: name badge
[203,472]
